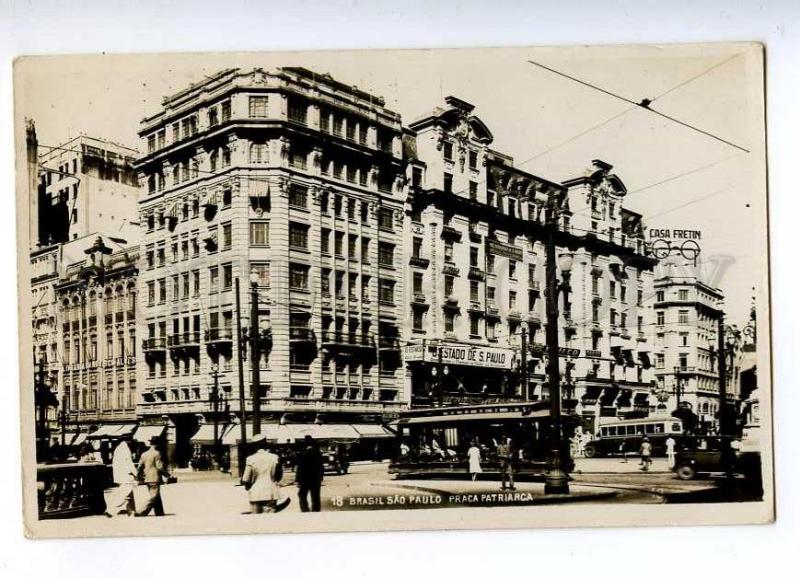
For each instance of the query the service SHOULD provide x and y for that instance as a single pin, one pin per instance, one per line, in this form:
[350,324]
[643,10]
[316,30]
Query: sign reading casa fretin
[456,354]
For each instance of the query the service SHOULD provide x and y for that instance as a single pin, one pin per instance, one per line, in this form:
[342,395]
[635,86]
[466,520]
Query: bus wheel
[590,451]
[686,472]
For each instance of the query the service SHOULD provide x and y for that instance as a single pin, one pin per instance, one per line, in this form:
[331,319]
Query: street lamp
[214,398]
[556,479]
[255,353]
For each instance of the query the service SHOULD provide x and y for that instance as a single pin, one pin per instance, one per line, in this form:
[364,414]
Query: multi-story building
[86,185]
[475,248]
[687,313]
[96,297]
[298,180]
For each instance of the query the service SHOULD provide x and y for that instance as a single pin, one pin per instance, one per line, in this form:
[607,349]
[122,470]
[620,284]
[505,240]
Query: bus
[434,442]
[623,436]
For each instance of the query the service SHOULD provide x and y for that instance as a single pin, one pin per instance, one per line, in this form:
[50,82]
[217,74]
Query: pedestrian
[262,472]
[309,474]
[670,443]
[645,451]
[119,501]
[153,473]
[624,451]
[505,457]
[474,459]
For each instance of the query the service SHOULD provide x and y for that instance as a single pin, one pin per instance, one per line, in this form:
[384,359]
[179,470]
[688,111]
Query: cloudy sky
[677,178]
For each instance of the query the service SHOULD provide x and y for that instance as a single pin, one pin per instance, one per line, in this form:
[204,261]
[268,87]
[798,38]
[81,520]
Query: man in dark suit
[153,473]
[308,474]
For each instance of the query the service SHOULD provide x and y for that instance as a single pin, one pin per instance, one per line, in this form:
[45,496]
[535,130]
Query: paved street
[204,497]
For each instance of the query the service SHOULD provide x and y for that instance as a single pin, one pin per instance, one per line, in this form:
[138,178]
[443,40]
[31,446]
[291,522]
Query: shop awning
[627,354]
[105,431]
[592,394]
[645,360]
[126,429]
[205,435]
[373,430]
[234,433]
[641,398]
[624,399]
[328,431]
[145,432]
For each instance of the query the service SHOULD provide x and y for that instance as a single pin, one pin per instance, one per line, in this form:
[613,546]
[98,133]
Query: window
[227,276]
[386,291]
[659,296]
[448,251]
[449,321]
[448,285]
[512,299]
[213,117]
[298,236]
[185,285]
[623,293]
[473,291]
[612,315]
[338,244]
[365,287]
[325,282]
[259,233]
[151,293]
[659,361]
[297,111]
[639,297]
[213,279]
[612,289]
[298,276]
[490,330]
[490,263]
[417,282]
[660,318]
[176,288]
[385,219]
[418,320]
[325,241]
[258,106]
[227,236]
[352,247]
[162,290]
[298,197]
[683,294]
[258,153]
[473,160]
[448,183]
[683,316]
[512,269]
[684,339]
[473,190]
[324,121]
[448,151]
[365,250]
[386,254]
[262,271]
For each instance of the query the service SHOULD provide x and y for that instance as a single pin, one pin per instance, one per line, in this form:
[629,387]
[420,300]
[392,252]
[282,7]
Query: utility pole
[524,364]
[255,356]
[215,409]
[723,375]
[556,480]
[240,363]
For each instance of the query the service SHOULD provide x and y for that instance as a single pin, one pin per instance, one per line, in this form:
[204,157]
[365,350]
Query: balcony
[450,269]
[389,343]
[492,309]
[450,232]
[476,274]
[419,299]
[534,285]
[301,335]
[342,338]
[640,336]
[684,370]
[514,314]
[219,336]
[534,319]
[421,262]
[154,345]
[184,340]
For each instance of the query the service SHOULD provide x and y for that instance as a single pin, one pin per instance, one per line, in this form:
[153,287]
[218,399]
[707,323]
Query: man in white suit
[262,472]
[119,500]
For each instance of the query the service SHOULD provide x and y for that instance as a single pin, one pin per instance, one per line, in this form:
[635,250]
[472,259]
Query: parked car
[336,458]
[706,455]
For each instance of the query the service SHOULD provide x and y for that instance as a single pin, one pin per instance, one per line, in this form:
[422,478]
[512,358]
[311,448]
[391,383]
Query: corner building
[299,179]
[475,248]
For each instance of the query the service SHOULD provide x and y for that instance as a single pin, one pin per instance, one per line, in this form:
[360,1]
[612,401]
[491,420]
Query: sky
[678,178]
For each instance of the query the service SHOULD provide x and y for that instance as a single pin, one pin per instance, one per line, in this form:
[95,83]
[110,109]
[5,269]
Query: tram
[434,442]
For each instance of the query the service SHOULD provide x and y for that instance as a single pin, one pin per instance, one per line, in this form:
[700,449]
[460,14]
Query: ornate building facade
[295,179]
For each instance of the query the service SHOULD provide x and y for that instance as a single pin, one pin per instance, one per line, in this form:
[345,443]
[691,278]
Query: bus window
[612,431]
[676,427]
[630,430]
[659,428]
[604,432]
[650,428]
[640,429]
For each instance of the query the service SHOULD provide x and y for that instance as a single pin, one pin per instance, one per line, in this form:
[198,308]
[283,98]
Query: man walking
[670,443]
[505,457]
[153,473]
[645,451]
[119,499]
[309,474]
[262,472]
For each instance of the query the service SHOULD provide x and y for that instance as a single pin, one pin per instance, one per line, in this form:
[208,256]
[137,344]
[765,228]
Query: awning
[126,429]
[206,433]
[641,398]
[624,399]
[234,433]
[78,440]
[373,430]
[627,355]
[146,432]
[645,359]
[328,431]
[105,431]
[608,396]
[592,394]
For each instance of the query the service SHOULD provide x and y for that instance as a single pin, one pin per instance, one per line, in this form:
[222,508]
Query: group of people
[646,453]
[263,473]
[506,459]
[127,475]
[579,441]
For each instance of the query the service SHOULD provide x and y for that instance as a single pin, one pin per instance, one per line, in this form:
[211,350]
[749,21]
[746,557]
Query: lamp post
[240,366]
[255,354]
[556,480]
[214,398]
[524,364]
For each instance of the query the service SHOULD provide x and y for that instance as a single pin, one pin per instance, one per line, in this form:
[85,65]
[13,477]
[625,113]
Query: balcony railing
[476,274]
[154,344]
[219,335]
[450,269]
[301,335]
[185,339]
[389,343]
[421,262]
[684,370]
[348,339]
[450,232]
[534,285]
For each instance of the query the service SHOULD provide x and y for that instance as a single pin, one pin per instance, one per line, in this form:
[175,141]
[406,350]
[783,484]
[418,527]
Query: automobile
[336,458]
[706,455]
